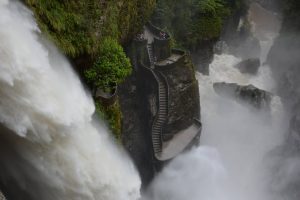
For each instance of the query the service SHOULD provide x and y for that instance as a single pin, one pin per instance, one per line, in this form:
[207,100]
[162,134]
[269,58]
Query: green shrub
[111,67]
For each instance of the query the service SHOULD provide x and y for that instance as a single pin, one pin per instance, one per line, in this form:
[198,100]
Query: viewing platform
[180,142]
[170,60]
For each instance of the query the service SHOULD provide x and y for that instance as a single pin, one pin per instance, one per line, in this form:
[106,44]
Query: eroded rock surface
[249,66]
[248,94]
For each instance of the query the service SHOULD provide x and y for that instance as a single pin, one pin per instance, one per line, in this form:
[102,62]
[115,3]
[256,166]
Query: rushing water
[233,161]
[51,148]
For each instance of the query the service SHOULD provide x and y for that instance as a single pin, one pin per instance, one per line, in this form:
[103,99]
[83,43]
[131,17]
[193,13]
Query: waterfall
[235,158]
[51,148]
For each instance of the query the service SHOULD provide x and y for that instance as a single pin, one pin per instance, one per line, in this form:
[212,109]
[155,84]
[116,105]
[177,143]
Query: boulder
[225,89]
[249,66]
[249,94]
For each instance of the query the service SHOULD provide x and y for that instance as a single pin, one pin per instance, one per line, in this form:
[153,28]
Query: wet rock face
[184,100]
[133,95]
[203,56]
[249,66]
[249,94]
[225,89]
[140,96]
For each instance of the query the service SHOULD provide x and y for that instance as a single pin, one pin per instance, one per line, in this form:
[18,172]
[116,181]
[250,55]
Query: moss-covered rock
[183,98]
[193,21]
[79,26]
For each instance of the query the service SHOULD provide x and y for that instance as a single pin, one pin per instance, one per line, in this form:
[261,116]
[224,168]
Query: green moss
[79,26]
[112,115]
[67,28]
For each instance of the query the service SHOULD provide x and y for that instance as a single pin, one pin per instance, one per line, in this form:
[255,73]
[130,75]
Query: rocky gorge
[149,66]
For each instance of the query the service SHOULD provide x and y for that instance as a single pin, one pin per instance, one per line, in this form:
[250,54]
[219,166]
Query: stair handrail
[165,80]
[155,121]
[149,56]
[156,117]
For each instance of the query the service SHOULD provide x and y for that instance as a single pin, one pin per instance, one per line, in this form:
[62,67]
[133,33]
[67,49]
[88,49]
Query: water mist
[235,158]
[50,146]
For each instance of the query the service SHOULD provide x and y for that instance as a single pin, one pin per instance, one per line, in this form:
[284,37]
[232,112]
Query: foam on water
[57,151]
[235,142]
[232,160]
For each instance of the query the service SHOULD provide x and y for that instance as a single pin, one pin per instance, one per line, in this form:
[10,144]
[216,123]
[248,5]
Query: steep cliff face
[184,104]
[136,114]
[158,101]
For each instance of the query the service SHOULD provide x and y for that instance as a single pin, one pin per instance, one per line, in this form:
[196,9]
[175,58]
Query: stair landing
[179,142]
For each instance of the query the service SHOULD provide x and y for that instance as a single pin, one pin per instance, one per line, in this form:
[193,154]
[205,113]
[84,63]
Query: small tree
[111,67]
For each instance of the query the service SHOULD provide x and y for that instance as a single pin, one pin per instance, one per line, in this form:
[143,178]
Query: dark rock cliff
[135,123]
[140,101]
[184,94]
[248,94]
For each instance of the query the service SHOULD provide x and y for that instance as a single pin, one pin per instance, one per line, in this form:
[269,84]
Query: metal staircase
[150,53]
[162,113]
[161,117]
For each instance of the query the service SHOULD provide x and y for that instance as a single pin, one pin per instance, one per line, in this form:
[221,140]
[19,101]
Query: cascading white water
[232,162]
[58,151]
